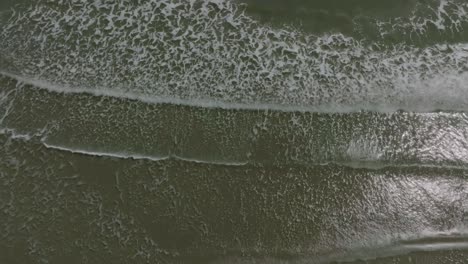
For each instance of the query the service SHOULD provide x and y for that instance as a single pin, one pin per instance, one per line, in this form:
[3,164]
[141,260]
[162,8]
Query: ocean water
[234,131]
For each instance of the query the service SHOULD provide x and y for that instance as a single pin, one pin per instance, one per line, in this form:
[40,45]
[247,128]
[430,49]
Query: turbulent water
[232,131]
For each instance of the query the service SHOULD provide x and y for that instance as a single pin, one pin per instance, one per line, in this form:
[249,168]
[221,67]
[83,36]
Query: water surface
[234,131]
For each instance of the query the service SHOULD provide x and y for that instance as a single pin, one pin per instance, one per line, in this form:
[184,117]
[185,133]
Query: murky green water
[214,131]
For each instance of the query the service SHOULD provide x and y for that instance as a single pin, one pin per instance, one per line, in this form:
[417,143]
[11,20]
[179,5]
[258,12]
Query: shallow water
[234,131]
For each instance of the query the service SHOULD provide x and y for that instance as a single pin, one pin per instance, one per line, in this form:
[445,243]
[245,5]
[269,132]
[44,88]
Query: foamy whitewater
[187,131]
[190,51]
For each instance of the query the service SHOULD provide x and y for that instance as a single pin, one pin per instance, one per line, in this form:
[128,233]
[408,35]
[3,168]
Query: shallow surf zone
[213,51]
[252,186]
[122,127]
[124,209]
[190,132]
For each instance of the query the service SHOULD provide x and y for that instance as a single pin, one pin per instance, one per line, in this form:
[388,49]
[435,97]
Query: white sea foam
[434,99]
[211,53]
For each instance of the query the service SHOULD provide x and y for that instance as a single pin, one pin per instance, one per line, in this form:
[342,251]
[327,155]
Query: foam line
[355,165]
[207,103]
[139,157]
[369,165]
[104,154]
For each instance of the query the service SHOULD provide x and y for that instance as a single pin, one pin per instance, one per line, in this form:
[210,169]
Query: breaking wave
[212,51]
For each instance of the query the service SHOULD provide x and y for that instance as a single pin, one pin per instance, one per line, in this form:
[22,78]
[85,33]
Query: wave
[112,125]
[40,137]
[138,157]
[454,102]
[198,102]
[370,165]
[169,54]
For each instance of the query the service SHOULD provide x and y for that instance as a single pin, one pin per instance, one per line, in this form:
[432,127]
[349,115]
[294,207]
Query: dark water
[217,131]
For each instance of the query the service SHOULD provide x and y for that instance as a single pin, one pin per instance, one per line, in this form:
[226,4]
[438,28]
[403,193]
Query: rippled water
[216,131]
